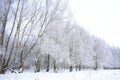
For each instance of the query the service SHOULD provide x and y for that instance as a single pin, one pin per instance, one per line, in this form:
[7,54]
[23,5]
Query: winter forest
[41,35]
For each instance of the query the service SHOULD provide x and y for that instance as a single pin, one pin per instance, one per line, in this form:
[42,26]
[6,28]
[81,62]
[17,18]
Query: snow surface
[82,75]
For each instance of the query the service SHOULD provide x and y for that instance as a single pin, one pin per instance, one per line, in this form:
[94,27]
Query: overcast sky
[99,17]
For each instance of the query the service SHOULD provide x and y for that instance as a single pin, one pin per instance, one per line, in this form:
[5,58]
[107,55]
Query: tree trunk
[2,65]
[21,67]
[37,65]
[2,70]
[96,63]
[79,67]
[71,68]
[55,66]
[48,63]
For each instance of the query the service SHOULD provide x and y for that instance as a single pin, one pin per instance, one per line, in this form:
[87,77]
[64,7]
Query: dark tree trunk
[96,63]
[71,68]
[2,70]
[2,66]
[55,66]
[79,67]
[48,63]
[21,67]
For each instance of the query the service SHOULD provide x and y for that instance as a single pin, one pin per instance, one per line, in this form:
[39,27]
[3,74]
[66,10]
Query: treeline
[40,35]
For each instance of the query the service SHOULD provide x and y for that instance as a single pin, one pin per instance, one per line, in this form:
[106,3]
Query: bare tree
[5,8]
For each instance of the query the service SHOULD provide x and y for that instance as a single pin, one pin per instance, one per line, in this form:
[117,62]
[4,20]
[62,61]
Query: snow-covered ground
[82,75]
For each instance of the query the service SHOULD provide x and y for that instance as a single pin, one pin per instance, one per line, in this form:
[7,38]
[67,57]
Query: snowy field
[82,75]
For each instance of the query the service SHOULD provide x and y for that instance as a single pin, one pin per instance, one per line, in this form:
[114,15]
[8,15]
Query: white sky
[99,17]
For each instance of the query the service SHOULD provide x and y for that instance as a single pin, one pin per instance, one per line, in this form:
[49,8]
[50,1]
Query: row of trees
[73,48]
[23,23]
[40,34]
[68,48]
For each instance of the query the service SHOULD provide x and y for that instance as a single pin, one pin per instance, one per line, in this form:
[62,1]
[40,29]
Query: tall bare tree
[5,8]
